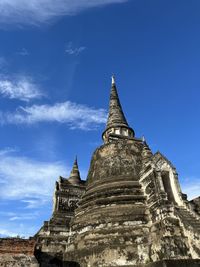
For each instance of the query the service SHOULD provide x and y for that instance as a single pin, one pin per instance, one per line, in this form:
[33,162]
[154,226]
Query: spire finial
[116,118]
[75,175]
[113,79]
[116,115]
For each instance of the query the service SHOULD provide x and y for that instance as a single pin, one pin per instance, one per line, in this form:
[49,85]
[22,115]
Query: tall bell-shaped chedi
[111,223]
[133,212]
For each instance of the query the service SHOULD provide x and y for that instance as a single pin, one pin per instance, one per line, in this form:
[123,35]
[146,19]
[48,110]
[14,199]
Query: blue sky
[56,60]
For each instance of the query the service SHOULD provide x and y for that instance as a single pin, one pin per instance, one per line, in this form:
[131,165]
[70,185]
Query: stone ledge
[8,260]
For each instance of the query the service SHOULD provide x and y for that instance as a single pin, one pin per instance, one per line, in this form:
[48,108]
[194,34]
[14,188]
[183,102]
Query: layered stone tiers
[112,213]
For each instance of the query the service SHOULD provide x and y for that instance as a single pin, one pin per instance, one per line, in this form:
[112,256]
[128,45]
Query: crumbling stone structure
[130,211]
[52,238]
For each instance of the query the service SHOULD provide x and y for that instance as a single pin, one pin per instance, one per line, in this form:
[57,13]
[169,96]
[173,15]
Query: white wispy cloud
[35,12]
[75,115]
[7,232]
[70,50]
[16,228]
[7,150]
[26,179]
[22,88]
[22,217]
[191,187]
[34,202]
[23,52]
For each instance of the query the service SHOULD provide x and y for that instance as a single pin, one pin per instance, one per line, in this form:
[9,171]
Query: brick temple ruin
[129,212]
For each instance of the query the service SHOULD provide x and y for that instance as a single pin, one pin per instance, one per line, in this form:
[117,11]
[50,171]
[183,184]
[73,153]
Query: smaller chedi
[53,236]
[129,212]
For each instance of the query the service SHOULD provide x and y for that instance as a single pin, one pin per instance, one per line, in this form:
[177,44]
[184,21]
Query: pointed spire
[75,174]
[116,116]
[116,123]
[113,80]
[146,152]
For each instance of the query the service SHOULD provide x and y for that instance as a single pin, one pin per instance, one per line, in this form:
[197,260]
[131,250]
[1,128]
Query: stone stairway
[188,218]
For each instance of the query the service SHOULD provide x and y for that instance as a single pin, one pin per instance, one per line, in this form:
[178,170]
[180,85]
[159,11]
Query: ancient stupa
[129,212]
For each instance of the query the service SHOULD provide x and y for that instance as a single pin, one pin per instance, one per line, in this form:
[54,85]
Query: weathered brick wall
[17,252]
[16,246]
